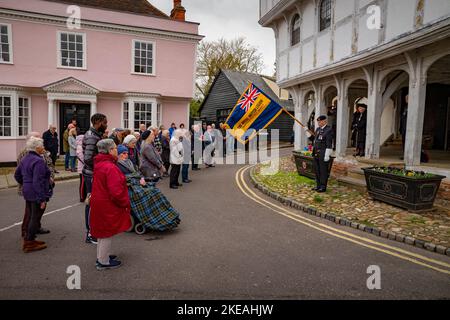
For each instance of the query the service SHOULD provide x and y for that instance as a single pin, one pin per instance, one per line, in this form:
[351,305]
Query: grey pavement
[226,247]
[8,181]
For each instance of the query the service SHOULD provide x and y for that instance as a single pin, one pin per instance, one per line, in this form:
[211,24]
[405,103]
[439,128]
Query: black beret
[321,118]
[145,135]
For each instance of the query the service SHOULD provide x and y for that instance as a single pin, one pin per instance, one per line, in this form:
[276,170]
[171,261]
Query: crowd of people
[113,168]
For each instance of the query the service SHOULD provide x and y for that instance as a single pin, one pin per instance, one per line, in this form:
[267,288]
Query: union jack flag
[247,99]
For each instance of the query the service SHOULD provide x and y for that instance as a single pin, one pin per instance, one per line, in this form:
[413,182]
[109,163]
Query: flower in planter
[403,172]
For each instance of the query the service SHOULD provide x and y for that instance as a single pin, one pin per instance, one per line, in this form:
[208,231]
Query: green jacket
[66,147]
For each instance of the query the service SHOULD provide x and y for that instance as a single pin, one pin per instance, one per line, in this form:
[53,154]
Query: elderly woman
[80,156]
[151,163]
[156,139]
[72,148]
[48,160]
[137,135]
[110,205]
[176,158]
[165,154]
[130,142]
[34,176]
[187,155]
[149,207]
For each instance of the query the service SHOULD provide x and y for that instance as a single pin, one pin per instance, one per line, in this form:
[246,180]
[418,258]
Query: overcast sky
[229,19]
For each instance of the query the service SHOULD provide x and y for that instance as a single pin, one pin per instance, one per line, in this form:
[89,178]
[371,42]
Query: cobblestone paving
[432,226]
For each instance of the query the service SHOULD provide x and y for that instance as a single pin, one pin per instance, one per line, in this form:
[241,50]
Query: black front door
[78,111]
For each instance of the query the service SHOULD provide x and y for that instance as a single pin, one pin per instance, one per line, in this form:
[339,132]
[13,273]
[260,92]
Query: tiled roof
[130,6]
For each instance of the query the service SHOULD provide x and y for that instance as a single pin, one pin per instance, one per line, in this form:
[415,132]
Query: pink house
[123,58]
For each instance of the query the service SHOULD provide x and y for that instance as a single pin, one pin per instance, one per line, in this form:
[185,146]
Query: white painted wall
[323,49]
[343,9]
[387,121]
[366,38]
[364,3]
[294,61]
[282,68]
[283,35]
[308,20]
[436,9]
[400,17]
[343,41]
[308,56]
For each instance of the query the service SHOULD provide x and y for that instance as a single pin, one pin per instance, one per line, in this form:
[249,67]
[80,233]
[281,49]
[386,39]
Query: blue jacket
[171,131]
[34,175]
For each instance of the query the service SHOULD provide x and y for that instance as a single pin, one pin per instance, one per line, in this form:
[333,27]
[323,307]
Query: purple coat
[34,175]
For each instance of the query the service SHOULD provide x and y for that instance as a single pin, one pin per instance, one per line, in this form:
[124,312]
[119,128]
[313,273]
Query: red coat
[110,204]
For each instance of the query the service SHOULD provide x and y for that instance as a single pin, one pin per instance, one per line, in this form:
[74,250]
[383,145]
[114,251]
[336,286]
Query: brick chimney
[178,12]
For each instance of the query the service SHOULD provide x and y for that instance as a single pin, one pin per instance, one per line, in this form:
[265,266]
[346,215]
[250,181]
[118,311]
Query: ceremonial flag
[254,111]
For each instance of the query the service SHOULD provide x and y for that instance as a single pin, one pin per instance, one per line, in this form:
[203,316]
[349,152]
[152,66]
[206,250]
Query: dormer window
[295,30]
[325,14]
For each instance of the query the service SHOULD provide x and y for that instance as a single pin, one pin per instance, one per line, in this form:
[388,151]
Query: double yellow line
[362,241]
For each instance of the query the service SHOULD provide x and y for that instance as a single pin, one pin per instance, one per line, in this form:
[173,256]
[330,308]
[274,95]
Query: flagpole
[298,121]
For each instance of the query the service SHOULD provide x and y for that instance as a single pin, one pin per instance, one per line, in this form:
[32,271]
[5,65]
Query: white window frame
[22,96]
[10,42]
[58,49]
[123,111]
[152,116]
[158,113]
[14,95]
[133,44]
[131,111]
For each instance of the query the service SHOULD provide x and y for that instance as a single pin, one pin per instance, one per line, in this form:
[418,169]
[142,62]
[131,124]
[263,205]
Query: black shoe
[322,190]
[43,231]
[187,181]
[315,189]
[195,169]
[173,187]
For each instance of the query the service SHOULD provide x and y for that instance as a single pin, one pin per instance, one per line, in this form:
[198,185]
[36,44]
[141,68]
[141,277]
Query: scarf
[128,164]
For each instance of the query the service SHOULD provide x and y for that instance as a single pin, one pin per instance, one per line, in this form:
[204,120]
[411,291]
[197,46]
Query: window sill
[144,74]
[6,62]
[72,68]
[13,138]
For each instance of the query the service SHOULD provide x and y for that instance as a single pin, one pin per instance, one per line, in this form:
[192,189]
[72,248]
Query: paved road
[231,244]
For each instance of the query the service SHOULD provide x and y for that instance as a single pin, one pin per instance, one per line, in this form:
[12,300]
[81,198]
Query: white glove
[327,155]
[308,134]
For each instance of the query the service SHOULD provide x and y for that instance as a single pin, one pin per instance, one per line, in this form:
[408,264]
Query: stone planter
[411,193]
[305,165]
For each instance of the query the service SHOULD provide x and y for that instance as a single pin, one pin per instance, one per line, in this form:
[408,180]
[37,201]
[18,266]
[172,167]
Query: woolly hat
[362,102]
[121,149]
[145,135]
[129,138]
